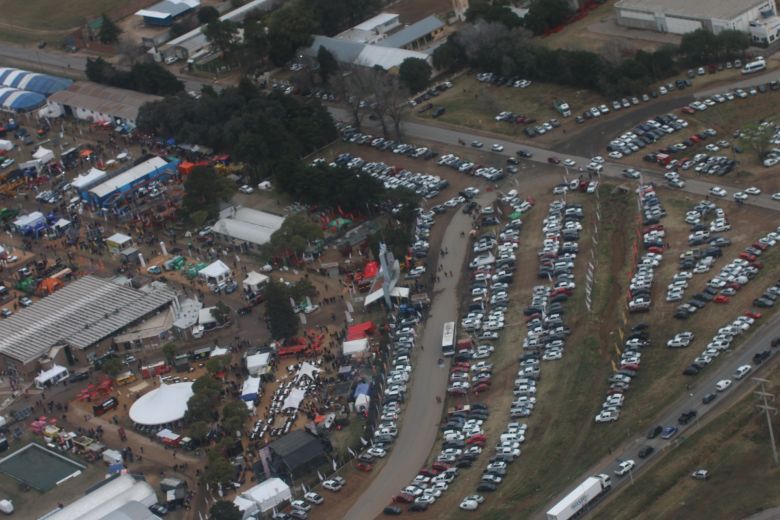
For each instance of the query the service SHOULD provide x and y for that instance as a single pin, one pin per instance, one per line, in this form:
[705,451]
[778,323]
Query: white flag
[363,441]
[320,476]
[335,466]
[351,452]
[303,488]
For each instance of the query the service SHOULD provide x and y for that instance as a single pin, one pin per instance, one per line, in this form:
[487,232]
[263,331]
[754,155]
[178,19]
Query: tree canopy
[150,78]
[109,32]
[415,74]
[222,34]
[204,189]
[207,14]
[547,14]
[225,510]
[702,46]
[282,320]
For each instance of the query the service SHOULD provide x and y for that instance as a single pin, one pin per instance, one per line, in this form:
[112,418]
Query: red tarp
[370,271]
[360,330]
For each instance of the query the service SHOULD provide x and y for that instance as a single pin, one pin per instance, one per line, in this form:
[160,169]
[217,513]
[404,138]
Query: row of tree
[494,47]
[147,77]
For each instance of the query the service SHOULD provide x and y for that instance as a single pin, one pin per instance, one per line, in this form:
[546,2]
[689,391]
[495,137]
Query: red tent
[360,330]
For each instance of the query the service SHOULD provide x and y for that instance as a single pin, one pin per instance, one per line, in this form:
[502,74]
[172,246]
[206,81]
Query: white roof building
[91,177]
[106,499]
[268,494]
[128,177]
[248,225]
[163,405]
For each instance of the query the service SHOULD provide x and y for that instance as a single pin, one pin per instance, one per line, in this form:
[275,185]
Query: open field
[734,447]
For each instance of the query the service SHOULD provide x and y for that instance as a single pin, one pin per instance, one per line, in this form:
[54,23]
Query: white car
[723,385]
[718,191]
[753,191]
[497,147]
[740,196]
[300,505]
[569,162]
[624,467]
[332,485]
[246,189]
[376,452]
[313,498]
[776,196]
[607,416]
[598,159]
[469,505]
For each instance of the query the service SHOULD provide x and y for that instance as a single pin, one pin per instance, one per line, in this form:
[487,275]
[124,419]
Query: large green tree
[290,28]
[547,14]
[327,62]
[282,320]
[204,189]
[109,32]
[222,34]
[219,469]
[207,14]
[415,74]
[225,510]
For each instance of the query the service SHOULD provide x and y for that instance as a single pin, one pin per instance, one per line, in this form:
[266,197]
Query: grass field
[734,447]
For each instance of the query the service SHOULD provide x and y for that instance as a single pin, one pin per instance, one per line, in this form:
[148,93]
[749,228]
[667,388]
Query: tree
[198,431]
[109,32]
[328,64]
[290,28]
[757,137]
[204,190]
[112,366]
[224,510]
[395,96]
[223,34]
[415,74]
[216,365]
[200,408]
[219,469]
[206,385]
[547,14]
[221,312]
[169,351]
[282,320]
[234,415]
[207,14]
[492,11]
[449,56]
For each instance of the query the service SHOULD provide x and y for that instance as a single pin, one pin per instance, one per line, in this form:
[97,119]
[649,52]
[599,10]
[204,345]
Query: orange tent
[48,286]
[86,152]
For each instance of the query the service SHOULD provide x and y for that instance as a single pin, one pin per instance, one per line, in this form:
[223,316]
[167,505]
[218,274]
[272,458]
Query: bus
[754,66]
[105,406]
[448,339]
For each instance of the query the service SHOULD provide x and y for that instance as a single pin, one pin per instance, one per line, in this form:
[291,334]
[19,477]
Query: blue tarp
[362,389]
[20,100]
[32,81]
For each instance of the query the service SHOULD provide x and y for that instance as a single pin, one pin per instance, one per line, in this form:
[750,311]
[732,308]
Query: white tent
[205,317]
[356,346]
[62,224]
[91,177]
[254,281]
[50,377]
[293,401]
[246,506]
[268,494]
[307,370]
[161,406]
[118,241]
[43,154]
[361,402]
[251,389]
[218,351]
[258,364]
[216,272]
[107,499]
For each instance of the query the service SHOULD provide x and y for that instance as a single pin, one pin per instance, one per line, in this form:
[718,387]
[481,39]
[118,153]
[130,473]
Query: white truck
[578,500]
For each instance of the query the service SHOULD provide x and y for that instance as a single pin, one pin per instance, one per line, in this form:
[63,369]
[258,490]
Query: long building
[98,103]
[684,16]
[79,316]
[121,186]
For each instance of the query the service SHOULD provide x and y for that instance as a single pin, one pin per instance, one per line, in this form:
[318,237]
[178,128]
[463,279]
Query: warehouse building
[163,14]
[98,103]
[79,316]
[684,16]
[372,30]
[122,186]
[247,225]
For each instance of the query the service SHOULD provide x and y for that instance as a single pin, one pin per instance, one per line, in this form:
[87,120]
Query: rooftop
[129,176]
[116,102]
[412,33]
[719,9]
[80,314]
[376,21]
[249,225]
[168,8]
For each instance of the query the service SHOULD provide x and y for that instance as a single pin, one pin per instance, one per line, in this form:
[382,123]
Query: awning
[357,346]
[307,370]
[293,401]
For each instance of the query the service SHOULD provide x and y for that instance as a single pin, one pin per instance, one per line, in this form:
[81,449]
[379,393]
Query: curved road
[702,384]
[422,414]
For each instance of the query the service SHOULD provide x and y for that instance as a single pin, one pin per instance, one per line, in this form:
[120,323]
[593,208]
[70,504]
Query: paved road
[768,514]
[422,414]
[701,385]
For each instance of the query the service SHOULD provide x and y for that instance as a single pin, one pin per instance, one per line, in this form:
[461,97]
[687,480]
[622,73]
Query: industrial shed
[80,314]
[416,35]
[247,224]
[684,16]
[99,103]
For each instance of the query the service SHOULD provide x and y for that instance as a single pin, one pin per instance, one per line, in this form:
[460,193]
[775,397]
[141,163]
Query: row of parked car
[720,342]
[391,177]
[654,241]
[350,135]
[645,134]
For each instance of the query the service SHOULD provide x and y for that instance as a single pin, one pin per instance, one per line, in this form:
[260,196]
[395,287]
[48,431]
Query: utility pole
[764,406]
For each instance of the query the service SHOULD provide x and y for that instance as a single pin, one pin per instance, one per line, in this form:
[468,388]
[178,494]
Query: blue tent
[362,389]
[33,81]
[15,100]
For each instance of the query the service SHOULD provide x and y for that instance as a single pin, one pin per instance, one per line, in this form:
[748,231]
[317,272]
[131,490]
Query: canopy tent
[62,224]
[218,351]
[362,389]
[293,401]
[360,330]
[339,223]
[307,370]
[254,281]
[215,273]
[268,494]
[361,402]
[43,154]
[246,506]
[251,389]
[162,406]
[355,347]
[258,364]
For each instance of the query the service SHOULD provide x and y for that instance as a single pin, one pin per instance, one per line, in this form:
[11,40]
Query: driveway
[422,414]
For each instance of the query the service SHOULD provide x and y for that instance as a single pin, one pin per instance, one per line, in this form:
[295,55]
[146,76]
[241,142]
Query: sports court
[38,467]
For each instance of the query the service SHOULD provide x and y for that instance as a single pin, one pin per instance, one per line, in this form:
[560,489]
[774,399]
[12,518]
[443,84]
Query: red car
[476,438]
[403,498]
[428,472]
[482,387]
[440,466]
[630,366]
[687,110]
[754,315]
[654,227]
[747,256]
[553,160]
[655,249]
[721,298]
[363,466]
[757,264]
[759,245]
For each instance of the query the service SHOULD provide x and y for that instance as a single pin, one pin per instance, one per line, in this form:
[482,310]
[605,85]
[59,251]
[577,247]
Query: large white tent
[268,494]
[293,401]
[258,364]
[308,371]
[246,506]
[254,281]
[216,272]
[356,346]
[108,498]
[93,176]
[251,389]
[162,406]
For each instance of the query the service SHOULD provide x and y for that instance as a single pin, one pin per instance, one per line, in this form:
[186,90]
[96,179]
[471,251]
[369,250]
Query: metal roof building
[15,100]
[410,35]
[126,181]
[346,51]
[81,314]
[165,12]
[247,224]
[96,102]
[684,16]
[32,81]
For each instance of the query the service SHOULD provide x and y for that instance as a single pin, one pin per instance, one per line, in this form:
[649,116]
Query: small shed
[112,457]
[254,282]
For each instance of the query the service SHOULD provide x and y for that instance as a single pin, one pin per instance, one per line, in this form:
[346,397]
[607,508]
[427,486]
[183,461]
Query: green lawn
[42,16]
